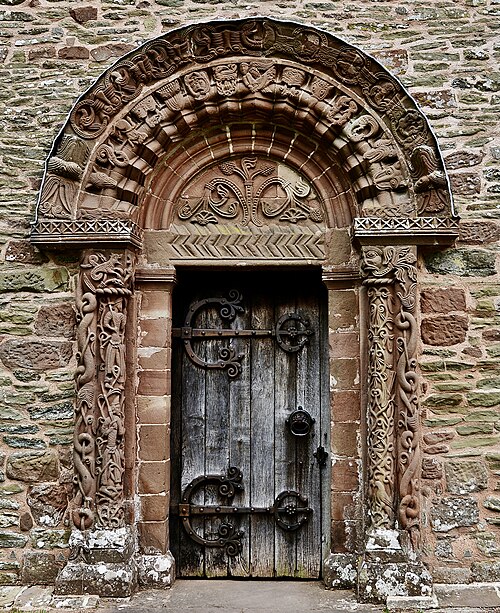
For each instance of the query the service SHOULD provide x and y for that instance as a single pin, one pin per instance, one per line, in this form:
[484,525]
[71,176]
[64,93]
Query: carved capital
[105,284]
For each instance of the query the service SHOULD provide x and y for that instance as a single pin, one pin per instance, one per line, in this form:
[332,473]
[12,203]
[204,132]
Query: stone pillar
[155,562]
[103,545]
[346,528]
[391,565]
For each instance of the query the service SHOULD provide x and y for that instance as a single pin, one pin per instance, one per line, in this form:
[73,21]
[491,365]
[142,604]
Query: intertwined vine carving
[103,291]
[394,455]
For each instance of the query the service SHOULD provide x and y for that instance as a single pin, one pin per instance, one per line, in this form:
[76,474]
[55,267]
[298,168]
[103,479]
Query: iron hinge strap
[185,510]
[188,333]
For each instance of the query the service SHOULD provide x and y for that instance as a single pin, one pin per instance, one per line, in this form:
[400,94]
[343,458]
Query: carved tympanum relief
[249,191]
[393,439]
[103,291]
[249,70]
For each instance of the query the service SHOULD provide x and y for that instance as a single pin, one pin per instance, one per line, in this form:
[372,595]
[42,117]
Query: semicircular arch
[206,92]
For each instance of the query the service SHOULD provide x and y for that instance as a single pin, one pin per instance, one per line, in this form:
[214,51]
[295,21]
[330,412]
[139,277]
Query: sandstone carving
[250,192]
[259,67]
[258,75]
[63,171]
[100,383]
[393,389]
[226,79]
[430,180]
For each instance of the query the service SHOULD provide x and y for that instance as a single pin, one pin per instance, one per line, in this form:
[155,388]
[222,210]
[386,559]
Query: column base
[387,571]
[384,573]
[340,571]
[101,563]
[156,571]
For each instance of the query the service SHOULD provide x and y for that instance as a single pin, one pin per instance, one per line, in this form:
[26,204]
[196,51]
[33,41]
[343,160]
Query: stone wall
[446,52]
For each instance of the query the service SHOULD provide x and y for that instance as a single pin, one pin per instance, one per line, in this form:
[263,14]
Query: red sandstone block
[344,439]
[153,409]
[154,442]
[345,476]
[154,508]
[345,406]
[154,383]
[154,332]
[153,477]
[153,536]
[344,344]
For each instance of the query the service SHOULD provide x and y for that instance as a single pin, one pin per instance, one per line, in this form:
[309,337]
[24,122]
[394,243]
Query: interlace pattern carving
[216,74]
[248,199]
[103,292]
[393,386]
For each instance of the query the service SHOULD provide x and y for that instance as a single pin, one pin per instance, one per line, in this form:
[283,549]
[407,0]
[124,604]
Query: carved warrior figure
[393,412]
[103,291]
[273,198]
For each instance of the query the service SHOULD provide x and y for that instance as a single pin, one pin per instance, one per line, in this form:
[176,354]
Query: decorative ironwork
[290,510]
[300,422]
[321,456]
[292,333]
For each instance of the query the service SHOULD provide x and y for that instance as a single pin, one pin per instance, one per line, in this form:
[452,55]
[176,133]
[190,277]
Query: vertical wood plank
[193,401]
[216,430]
[285,403]
[239,431]
[308,473]
[262,439]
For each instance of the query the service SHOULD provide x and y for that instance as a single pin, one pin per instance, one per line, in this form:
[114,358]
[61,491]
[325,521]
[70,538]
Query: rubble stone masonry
[447,53]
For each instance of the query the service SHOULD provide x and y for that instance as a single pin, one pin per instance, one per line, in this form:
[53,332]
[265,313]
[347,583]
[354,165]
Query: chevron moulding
[232,242]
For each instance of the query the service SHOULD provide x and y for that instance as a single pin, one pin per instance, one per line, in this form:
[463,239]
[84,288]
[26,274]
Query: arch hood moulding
[232,97]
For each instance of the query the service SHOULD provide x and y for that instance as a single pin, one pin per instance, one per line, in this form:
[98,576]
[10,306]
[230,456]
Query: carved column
[101,535]
[99,447]
[393,428]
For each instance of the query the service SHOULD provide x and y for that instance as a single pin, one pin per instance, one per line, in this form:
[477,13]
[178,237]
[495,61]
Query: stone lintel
[405,231]
[85,233]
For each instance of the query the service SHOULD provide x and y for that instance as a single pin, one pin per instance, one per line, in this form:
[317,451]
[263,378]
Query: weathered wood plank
[262,440]
[285,403]
[216,432]
[193,420]
[308,473]
[239,435]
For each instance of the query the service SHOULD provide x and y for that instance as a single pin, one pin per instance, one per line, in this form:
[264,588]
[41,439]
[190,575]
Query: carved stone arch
[253,71]
[310,137]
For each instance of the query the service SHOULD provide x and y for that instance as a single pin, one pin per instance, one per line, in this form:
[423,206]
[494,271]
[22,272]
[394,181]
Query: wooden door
[249,364]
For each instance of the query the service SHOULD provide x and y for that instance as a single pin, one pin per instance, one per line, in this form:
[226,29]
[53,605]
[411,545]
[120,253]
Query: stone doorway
[253,143]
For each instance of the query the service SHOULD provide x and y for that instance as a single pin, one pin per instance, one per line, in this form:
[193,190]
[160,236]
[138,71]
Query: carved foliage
[393,411]
[240,59]
[104,288]
[251,191]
